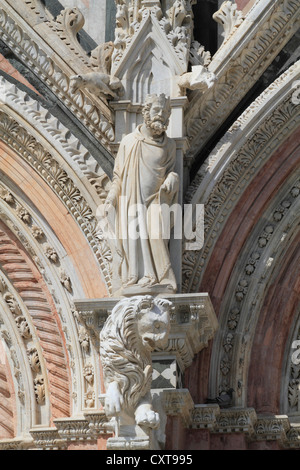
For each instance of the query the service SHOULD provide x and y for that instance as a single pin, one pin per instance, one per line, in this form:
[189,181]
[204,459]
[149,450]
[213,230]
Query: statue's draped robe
[141,167]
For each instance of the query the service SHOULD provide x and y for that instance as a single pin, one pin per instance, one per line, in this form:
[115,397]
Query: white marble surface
[94,12]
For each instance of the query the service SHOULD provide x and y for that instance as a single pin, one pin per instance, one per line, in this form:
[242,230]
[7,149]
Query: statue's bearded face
[157,117]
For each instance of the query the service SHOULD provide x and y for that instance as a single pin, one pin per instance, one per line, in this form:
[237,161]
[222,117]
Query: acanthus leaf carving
[34,359]
[39,389]
[67,25]
[229,17]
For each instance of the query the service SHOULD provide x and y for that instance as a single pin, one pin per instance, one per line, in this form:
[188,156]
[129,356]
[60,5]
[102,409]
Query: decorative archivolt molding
[257,266]
[19,103]
[29,229]
[238,63]
[233,164]
[26,359]
[61,182]
[51,262]
[290,398]
[67,25]
[34,239]
[47,334]
[229,17]
[54,69]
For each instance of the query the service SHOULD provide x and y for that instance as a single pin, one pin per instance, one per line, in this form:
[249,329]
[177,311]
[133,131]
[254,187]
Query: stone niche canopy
[151,51]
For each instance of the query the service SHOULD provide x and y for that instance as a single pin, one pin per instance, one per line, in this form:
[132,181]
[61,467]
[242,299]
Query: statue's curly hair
[150,99]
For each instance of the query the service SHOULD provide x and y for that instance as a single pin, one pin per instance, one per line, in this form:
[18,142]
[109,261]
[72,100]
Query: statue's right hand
[113,400]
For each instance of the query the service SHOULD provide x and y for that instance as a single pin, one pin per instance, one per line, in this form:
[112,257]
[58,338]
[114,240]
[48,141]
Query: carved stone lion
[135,327]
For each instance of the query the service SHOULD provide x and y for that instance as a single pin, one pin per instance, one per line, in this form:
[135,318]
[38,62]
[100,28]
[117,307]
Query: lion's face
[153,326]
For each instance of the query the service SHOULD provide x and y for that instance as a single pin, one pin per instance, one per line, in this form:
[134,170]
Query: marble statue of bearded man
[144,180]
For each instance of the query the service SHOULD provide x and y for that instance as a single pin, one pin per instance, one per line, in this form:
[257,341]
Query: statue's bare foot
[131,281]
[147,281]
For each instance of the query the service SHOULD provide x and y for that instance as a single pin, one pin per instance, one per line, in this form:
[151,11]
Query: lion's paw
[114,400]
[148,418]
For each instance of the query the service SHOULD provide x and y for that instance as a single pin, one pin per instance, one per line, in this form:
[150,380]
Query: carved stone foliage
[55,260]
[237,172]
[152,49]
[229,17]
[246,421]
[67,24]
[238,68]
[40,236]
[16,366]
[242,421]
[254,273]
[243,299]
[291,396]
[33,313]
[61,183]
[86,343]
[60,136]
[53,69]
[174,18]
[25,331]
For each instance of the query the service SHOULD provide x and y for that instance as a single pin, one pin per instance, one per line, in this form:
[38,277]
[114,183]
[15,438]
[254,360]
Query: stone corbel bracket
[193,323]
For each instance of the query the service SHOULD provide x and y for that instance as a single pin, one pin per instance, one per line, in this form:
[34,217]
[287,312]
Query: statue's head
[156,113]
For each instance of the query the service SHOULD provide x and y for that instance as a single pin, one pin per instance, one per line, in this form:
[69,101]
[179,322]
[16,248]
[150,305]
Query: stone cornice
[39,120]
[87,428]
[177,403]
[238,63]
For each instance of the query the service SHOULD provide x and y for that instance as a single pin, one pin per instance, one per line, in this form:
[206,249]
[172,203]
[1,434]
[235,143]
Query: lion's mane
[124,358]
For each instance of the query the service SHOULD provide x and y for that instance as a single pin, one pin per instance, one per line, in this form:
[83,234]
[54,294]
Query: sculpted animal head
[136,326]
[76,82]
[153,324]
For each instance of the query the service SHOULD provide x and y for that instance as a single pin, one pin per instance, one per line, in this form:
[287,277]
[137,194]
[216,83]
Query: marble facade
[224,134]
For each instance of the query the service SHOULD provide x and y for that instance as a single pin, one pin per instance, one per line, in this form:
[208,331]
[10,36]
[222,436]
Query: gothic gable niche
[152,50]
